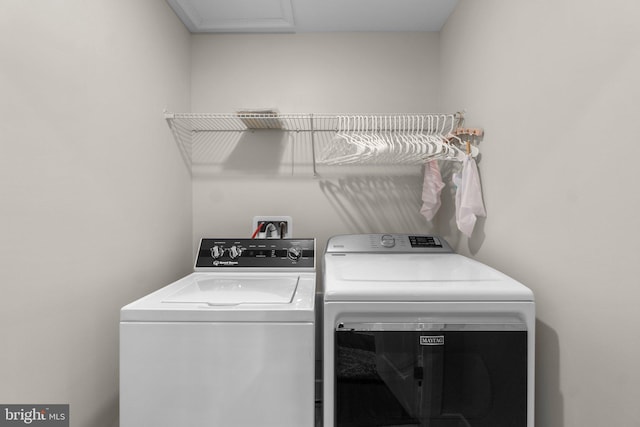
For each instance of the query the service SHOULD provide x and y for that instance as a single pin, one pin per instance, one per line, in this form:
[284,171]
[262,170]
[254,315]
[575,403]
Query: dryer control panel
[387,243]
[256,253]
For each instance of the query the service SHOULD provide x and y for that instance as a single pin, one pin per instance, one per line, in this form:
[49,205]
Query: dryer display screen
[424,242]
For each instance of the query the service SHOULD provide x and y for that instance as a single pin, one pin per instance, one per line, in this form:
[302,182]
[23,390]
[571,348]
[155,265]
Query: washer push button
[387,241]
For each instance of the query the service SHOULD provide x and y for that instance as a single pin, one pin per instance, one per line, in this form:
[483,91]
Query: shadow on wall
[260,152]
[368,197]
[390,202]
[549,400]
[370,204]
[253,154]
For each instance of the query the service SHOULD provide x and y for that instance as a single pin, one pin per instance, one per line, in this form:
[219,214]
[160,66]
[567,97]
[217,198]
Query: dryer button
[387,241]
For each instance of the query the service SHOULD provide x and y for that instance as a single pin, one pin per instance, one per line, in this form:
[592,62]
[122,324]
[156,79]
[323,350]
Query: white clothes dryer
[232,344]
[416,335]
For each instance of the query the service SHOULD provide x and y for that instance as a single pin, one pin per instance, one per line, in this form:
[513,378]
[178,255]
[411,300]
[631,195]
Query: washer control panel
[387,243]
[260,253]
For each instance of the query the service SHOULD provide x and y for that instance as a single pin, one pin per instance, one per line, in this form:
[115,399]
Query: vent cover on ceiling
[235,16]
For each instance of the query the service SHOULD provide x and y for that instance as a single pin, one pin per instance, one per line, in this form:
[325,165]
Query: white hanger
[398,139]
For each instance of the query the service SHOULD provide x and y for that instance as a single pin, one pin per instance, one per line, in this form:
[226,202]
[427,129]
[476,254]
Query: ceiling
[300,16]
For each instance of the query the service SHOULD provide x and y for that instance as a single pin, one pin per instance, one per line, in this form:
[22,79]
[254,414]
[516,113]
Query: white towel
[469,203]
[431,189]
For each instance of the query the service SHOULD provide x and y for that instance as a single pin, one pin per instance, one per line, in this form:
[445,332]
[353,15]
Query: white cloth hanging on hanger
[469,203]
[431,189]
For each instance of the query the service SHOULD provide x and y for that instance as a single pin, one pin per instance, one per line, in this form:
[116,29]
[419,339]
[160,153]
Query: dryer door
[401,374]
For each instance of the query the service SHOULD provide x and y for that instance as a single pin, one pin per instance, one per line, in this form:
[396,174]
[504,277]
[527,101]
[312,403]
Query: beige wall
[555,85]
[316,72]
[307,73]
[95,202]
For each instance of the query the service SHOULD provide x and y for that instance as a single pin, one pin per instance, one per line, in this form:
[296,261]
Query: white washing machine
[416,335]
[230,345]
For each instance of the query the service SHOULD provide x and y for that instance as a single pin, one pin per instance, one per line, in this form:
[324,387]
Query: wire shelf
[330,135]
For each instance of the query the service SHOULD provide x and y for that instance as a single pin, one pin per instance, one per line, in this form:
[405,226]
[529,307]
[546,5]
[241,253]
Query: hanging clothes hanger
[401,139]
[345,129]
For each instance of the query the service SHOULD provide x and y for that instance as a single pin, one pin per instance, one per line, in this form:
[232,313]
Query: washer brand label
[224,263]
[432,340]
[34,415]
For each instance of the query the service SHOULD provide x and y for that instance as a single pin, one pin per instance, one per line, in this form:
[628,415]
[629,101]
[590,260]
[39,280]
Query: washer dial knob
[235,252]
[216,252]
[294,253]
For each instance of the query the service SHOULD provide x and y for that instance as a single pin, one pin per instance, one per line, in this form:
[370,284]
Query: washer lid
[236,290]
[416,277]
[229,297]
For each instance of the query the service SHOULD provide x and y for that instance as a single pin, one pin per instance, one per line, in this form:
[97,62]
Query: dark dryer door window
[461,378]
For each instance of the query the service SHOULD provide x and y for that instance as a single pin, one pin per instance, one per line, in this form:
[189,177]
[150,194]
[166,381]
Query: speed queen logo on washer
[432,340]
